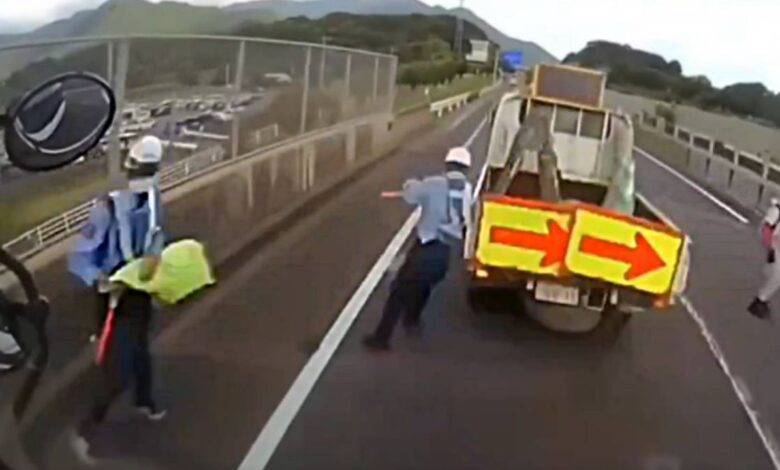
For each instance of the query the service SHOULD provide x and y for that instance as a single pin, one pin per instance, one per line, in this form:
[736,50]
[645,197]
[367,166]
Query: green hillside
[126,17]
[140,16]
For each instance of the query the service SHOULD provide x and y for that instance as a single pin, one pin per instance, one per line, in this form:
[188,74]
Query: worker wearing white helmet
[124,226]
[770,236]
[143,160]
[445,203]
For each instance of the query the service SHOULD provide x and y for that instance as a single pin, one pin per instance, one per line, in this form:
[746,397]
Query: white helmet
[147,151]
[460,155]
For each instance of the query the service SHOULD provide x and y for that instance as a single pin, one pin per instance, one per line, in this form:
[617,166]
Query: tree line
[650,74]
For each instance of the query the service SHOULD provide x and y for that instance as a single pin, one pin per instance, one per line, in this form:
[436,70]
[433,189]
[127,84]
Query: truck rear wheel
[478,299]
[612,323]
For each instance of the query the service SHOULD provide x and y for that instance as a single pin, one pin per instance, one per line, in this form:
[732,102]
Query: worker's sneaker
[372,343]
[151,413]
[80,447]
[759,308]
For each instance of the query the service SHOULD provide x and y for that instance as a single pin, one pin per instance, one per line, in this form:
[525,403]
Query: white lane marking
[473,137]
[694,186]
[661,215]
[480,182]
[460,120]
[274,430]
[739,386]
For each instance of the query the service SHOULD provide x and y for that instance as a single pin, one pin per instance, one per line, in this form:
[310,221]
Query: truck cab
[557,192]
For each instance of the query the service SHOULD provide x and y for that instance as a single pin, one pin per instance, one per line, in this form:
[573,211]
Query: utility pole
[459,34]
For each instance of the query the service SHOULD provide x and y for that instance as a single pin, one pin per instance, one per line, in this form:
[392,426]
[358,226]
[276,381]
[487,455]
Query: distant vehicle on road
[280,78]
[161,111]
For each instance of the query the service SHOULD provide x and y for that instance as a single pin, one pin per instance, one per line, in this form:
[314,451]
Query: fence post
[39,236]
[237,83]
[305,99]
[119,81]
[347,85]
[322,67]
[392,81]
[375,93]
[109,60]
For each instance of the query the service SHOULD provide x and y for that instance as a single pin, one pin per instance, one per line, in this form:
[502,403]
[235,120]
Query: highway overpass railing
[205,95]
[439,108]
[751,179]
[71,221]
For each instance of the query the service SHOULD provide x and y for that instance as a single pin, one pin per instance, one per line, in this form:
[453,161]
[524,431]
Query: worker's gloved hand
[149,267]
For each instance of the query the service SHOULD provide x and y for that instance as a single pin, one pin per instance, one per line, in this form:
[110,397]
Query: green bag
[183,270]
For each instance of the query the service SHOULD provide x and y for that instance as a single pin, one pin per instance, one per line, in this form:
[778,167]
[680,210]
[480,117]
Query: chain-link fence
[195,93]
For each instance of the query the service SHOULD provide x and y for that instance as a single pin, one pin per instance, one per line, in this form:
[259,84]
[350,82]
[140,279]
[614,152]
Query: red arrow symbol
[553,243]
[642,258]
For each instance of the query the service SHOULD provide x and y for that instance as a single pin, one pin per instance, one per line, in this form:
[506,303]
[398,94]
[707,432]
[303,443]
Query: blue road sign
[513,60]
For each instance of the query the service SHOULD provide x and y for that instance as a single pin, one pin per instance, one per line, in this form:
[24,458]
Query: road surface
[488,391]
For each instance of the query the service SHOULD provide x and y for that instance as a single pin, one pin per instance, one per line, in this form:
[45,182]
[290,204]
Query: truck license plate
[557,294]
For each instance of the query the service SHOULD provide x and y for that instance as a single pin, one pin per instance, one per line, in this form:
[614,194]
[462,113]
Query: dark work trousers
[127,358]
[425,266]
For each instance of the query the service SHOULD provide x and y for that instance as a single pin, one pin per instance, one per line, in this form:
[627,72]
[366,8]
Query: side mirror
[59,121]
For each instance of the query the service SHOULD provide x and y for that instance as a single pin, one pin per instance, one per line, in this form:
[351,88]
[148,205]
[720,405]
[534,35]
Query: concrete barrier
[742,133]
[228,208]
[440,108]
[743,184]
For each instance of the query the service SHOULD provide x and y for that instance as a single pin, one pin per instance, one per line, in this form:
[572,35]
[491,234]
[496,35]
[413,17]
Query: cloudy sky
[728,40]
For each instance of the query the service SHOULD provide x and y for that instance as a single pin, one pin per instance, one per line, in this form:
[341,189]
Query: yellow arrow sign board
[525,235]
[623,250]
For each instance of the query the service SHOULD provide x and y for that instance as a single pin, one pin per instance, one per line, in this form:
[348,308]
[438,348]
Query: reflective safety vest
[121,227]
[457,208]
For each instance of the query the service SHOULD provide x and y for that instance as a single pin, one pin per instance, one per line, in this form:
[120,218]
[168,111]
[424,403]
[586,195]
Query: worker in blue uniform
[445,204]
[122,227]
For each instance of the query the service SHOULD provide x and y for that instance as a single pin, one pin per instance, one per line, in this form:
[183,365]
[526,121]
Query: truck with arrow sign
[558,219]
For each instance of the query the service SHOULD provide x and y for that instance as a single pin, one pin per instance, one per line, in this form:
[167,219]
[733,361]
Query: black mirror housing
[59,121]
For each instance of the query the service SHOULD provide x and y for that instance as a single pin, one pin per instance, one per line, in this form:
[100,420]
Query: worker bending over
[445,202]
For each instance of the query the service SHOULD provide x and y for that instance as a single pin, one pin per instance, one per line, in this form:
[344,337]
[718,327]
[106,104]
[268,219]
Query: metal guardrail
[70,222]
[450,104]
[316,75]
[455,102]
[751,179]
[705,143]
[66,224]
[139,66]
[203,37]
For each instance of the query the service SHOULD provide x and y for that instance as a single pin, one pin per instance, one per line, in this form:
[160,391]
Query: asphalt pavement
[477,391]
[226,363]
[495,391]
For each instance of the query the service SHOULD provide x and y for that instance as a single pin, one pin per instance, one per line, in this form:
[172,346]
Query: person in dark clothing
[445,203]
[127,357]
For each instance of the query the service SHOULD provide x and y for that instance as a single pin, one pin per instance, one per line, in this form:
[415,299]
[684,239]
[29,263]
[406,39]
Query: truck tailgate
[579,240]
